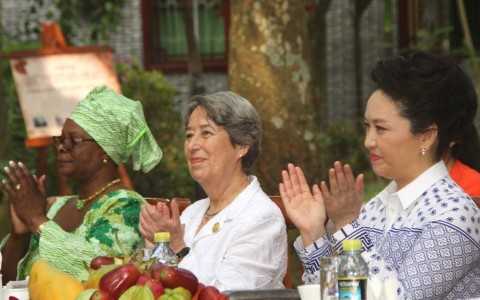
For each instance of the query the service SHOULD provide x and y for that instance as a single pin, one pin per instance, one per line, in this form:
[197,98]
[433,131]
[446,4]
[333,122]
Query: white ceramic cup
[309,291]
[20,294]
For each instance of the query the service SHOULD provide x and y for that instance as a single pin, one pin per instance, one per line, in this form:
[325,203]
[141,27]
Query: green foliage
[171,177]
[12,127]
[14,132]
[373,186]
[100,15]
[433,40]
[342,141]
[87,21]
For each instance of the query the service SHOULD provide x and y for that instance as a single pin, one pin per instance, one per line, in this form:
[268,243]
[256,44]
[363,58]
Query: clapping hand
[344,198]
[305,207]
[158,218]
[26,195]
[17,226]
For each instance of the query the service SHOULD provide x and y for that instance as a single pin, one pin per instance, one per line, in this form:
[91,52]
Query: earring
[105,160]
[423,151]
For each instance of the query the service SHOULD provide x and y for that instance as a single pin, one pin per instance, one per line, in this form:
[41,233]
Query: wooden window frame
[178,65]
[407,22]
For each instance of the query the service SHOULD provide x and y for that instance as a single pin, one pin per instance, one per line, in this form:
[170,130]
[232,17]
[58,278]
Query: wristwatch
[182,253]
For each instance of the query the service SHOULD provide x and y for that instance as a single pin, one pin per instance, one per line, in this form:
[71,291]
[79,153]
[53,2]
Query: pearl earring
[105,160]
[423,151]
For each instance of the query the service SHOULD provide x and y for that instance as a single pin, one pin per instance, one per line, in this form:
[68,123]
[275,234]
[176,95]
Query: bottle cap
[162,236]
[352,245]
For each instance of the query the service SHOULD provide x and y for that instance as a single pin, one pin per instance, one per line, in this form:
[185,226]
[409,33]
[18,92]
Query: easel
[53,42]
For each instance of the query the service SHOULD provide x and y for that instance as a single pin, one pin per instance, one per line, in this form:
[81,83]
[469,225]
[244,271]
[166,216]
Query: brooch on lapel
[216,227]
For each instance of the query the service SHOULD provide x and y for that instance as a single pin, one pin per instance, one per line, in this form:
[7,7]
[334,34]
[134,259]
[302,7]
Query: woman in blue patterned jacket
[421,233]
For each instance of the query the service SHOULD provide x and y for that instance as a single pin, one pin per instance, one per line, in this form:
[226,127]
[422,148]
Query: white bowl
[309,291]
[20,294]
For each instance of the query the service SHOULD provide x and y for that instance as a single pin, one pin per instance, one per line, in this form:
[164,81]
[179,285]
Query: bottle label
[352,289]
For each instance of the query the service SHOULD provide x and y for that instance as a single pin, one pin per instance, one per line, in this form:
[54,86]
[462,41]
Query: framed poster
[50,85]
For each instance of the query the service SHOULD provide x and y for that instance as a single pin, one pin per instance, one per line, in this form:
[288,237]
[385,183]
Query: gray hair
[237,116]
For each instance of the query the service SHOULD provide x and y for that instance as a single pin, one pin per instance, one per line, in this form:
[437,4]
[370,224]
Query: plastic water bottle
[162,251]
[352,272]
[328,277]
[142,255]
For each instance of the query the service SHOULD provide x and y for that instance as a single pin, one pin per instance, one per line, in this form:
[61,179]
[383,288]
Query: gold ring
[18,187]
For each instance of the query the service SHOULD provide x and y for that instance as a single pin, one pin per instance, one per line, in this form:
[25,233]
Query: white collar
[240,200]
[227,214]
[409,193]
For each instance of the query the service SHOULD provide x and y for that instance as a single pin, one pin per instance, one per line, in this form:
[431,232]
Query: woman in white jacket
[236,237]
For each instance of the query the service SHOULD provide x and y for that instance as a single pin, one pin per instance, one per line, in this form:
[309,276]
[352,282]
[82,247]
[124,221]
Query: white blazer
[242,247]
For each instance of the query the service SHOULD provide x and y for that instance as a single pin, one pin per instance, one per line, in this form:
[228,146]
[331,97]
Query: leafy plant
[342,140]
[14,132]
[430,40]
[12,127]
[82,21]
[171,177]
[100,16]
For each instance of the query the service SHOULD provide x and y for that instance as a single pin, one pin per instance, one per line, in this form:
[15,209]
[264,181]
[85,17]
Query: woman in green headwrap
[104,129]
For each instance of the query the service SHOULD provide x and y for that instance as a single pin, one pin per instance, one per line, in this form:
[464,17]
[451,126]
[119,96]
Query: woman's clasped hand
[26,195]
[344,197]
[310,208]
[162,217]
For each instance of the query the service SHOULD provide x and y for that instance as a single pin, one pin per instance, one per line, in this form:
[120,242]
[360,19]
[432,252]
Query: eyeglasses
[69,142]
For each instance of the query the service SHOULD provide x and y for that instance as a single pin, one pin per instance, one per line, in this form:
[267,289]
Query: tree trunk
[342,91]
[269,65]
[194,58]
[318,36]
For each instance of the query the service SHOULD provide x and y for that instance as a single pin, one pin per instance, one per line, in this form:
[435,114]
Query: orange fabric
[467,178]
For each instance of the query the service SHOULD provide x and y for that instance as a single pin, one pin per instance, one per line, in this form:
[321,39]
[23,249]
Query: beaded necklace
[81,203]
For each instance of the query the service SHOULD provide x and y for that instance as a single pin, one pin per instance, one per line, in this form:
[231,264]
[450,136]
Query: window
[165,39]
[412,16]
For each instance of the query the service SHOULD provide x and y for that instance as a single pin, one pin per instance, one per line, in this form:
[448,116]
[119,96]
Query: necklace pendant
[216,227]
[79,204]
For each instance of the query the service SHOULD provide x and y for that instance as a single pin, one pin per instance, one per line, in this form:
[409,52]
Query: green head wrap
[118,125]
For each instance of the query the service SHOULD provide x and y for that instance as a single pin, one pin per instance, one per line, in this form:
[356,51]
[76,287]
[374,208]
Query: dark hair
[237,116]
[432,89]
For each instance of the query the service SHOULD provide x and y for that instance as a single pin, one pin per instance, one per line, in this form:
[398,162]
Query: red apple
[172,277]
[208,293]
[119,280]
[155,286]
[156,266]
[99,261]
[200,287]
[222,297]
[143,279]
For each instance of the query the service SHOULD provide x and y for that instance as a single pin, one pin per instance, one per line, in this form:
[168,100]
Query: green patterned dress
[110,227]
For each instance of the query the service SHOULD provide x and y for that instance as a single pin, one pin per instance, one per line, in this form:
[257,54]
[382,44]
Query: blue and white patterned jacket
[431,249]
